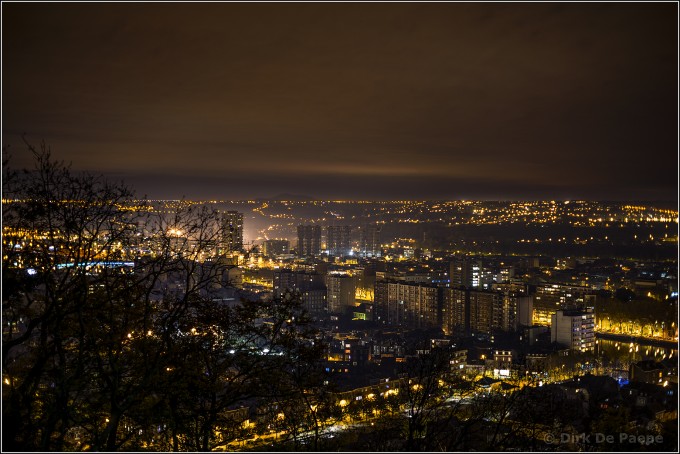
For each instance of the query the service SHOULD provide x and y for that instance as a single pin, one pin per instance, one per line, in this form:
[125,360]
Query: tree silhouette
[113,338]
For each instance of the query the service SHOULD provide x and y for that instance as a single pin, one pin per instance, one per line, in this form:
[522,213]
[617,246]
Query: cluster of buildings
[332,241]
[339,278]
[520,316]
[414,301]
[346,273]
[346,277]
[338,241]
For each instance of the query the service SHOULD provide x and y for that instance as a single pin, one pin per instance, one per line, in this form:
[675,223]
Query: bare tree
[112,338]
[56,225]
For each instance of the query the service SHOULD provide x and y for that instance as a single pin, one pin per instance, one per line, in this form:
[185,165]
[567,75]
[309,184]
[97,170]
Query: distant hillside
[290,197]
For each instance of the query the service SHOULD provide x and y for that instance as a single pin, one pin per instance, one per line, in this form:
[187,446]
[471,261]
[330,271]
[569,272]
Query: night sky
[351,101]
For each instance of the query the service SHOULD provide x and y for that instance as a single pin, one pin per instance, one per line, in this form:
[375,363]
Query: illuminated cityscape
[530,316]
[340,227]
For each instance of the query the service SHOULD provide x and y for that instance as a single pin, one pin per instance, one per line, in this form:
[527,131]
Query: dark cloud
[354,100]
[332,186]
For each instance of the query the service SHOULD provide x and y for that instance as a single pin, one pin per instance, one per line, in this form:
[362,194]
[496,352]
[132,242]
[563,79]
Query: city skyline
[351,101]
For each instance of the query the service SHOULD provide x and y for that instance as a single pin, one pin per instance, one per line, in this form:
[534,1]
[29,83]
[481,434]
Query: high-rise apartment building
[525,310]
[574,329]
[550,297]
[309,240]
[517,311]
[310,287]
[467,311]
[338,241]
[486,311]
[466,271]
[341,289]
[455,308]
[411,305]
[232,231]
[369,241]
[273,248]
